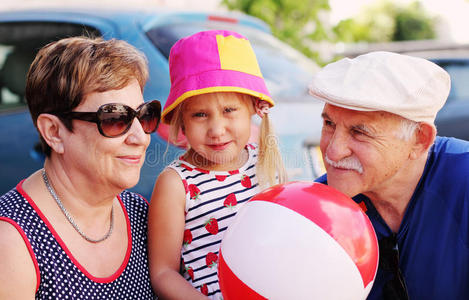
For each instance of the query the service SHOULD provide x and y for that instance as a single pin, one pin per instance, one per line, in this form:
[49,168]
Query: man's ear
[51,129]
[424,137]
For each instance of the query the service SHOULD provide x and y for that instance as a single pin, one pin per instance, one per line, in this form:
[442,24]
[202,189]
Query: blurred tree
[413,24]
[387,21]
[292,21]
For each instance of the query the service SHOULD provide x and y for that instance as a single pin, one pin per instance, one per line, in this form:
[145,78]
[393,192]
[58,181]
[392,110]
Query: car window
[459,73]
[19,43]
[287,72]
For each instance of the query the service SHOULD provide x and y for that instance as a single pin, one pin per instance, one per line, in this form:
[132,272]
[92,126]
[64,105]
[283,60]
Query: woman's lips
[132,159]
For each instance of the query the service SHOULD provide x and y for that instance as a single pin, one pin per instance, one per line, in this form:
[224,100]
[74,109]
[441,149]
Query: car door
[453,119]
[20,39]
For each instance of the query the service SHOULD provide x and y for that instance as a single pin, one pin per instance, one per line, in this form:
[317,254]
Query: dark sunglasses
[115,119]
[395,288]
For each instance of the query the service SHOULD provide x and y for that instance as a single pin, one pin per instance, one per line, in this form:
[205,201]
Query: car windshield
[459,73]
[287,72]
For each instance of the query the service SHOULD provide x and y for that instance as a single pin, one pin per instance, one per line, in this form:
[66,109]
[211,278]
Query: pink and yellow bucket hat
[213,61]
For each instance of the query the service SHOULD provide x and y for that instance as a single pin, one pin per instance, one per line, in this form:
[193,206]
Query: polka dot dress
[60,277]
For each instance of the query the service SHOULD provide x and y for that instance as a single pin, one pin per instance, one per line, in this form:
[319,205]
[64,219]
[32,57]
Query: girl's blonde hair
[270,167]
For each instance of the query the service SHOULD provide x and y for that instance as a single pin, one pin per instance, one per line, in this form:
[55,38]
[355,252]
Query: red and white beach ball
[299,240]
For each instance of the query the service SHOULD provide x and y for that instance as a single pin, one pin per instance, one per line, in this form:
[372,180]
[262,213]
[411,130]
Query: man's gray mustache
[348,163]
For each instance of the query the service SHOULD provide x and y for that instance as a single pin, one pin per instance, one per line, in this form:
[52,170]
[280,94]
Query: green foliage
[387,21]
[298,22]
[412,24]
[292,21]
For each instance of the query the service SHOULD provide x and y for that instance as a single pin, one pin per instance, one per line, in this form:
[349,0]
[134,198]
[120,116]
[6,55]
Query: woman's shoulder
[128,197]
[10,201]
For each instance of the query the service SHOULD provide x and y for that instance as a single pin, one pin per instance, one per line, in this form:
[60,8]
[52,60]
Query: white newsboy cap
[408,86]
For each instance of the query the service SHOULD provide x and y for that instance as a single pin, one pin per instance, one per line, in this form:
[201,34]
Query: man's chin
[346,188]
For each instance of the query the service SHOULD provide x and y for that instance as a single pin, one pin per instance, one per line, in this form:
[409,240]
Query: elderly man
[380,147]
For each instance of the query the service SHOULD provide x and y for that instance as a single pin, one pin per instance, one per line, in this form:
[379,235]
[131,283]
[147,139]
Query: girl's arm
[165,236]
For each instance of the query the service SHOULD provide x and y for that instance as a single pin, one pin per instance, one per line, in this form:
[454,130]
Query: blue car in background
[453,118]
[287,73]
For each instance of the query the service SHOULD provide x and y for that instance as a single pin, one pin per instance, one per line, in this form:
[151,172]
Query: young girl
[216,87]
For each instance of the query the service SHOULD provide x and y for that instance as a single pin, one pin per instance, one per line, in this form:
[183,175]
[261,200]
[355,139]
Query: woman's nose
[136,135]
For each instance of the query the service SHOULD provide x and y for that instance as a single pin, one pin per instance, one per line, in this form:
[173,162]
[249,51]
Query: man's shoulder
[447,171]
[451,145]
[450,155]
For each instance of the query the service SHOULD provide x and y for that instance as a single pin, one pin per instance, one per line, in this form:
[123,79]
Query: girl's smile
[219,146]
[217,127]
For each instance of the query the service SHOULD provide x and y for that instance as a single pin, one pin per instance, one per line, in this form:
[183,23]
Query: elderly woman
[70,230]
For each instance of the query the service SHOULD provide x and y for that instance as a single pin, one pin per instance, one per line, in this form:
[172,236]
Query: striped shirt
[212,200]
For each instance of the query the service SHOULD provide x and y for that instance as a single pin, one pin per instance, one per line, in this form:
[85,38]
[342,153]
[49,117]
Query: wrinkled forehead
[349,117]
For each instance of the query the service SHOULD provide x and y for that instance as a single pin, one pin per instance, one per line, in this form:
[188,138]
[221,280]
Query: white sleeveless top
[212,200]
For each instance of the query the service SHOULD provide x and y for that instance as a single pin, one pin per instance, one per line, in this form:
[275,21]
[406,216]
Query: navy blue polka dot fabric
[60,278]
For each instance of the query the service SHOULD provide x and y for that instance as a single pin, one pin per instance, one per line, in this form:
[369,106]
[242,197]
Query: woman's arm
[165,236]
[17,271]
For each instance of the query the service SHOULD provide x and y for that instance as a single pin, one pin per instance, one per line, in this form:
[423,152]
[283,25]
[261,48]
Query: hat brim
[213,82]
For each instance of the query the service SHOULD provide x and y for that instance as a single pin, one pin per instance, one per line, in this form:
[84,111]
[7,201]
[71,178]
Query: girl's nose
[217,127]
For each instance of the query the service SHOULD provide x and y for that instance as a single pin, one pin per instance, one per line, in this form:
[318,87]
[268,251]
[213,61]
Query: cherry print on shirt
[246,181]
[221,177]
[187,239]
[211,260]
[212,226]
[190,271]
[186,188]
[230,201]
[204,289]
[194,192]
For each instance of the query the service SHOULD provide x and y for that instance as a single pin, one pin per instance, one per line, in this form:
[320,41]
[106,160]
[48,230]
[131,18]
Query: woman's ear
[424,137]
[51,128]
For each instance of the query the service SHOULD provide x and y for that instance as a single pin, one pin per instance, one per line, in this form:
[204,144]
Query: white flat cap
[408,86]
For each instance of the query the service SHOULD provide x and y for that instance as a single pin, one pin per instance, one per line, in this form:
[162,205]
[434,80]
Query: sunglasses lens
[115,119]
[149,117]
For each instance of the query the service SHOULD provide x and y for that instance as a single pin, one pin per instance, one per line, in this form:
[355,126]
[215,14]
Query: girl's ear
[424,137]
[51,130]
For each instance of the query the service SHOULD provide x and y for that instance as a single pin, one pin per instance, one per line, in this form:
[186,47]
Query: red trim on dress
[30,249]
[64,247]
